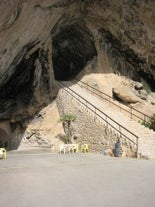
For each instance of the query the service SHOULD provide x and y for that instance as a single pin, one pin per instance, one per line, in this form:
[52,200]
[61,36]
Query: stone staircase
[129,127]
[128,110]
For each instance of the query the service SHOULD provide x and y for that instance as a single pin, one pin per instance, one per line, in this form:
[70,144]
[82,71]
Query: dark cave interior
[20,83]
[73,47]
[149,81]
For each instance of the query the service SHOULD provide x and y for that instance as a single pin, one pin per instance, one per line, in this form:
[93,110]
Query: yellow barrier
[2,153]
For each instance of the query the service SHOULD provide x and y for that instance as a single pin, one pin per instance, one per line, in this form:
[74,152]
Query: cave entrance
[147,81]
[4,139]
[73,47]
[20,83]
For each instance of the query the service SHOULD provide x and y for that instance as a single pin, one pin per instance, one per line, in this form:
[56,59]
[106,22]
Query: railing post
[106,120]
[95,114]
[144,118]
[101,95]
[131,112]
[137,148]
[120,130]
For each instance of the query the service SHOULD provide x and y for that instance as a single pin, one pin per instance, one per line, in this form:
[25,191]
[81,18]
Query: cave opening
[4,139]
[20,83]
[73,47]
[148,80]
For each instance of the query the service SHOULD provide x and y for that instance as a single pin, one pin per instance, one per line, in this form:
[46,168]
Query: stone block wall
[88,128]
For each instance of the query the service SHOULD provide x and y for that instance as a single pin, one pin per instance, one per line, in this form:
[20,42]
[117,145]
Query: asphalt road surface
[39,178]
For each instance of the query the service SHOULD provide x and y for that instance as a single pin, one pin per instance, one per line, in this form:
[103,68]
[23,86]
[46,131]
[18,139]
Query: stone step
[146,136]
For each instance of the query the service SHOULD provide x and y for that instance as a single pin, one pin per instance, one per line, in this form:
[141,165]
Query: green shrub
[65,139]
[146,86]
[151,123]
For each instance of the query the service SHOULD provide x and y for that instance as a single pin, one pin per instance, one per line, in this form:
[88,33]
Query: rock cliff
[44,40]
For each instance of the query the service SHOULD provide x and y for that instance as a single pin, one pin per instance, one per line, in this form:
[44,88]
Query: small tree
[66,120]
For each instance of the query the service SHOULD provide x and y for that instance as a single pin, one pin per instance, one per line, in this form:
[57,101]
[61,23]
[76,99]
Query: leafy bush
[151,123]
[65,139]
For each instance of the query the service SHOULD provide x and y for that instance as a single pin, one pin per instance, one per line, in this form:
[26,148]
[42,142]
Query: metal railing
[121,130]
[132,112]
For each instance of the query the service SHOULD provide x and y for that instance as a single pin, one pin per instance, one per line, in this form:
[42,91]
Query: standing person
[117,148]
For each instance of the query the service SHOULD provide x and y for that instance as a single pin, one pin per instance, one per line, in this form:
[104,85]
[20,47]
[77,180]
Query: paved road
[42,179]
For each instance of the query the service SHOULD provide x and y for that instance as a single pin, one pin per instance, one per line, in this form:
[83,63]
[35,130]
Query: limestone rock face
[43,40]
[125,94]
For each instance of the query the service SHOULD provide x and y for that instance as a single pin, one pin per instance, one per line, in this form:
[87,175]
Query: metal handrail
[73,93]
[108,98]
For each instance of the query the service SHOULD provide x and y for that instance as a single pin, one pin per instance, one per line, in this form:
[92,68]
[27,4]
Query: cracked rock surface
[41,41]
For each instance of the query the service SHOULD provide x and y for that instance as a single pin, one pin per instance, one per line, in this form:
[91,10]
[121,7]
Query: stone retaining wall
[88,128]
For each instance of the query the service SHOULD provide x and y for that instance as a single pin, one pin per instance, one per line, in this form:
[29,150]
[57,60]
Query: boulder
[151,98]
[125,94]
[143,94]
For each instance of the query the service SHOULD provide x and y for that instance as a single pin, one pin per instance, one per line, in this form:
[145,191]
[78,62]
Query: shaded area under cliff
[73,47]
[20,83]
